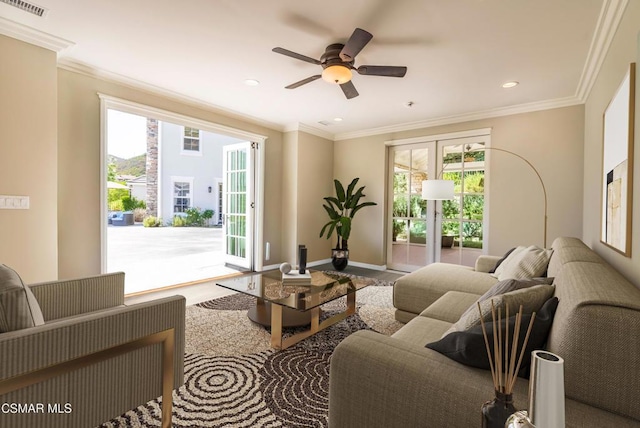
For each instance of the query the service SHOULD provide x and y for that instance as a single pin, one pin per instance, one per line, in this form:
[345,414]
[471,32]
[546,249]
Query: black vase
[496,412]
[339,259]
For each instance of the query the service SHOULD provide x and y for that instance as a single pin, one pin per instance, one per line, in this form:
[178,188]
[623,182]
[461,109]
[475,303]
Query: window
[191,141]
[181,196]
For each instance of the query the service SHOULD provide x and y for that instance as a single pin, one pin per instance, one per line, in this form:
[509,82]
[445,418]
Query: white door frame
[435,162]
[109,102]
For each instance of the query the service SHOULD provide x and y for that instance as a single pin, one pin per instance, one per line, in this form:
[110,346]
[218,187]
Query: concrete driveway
[154,257]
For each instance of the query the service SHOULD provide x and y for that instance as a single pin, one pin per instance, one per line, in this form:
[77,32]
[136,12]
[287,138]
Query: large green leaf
[333,214]
[339,190]
[331,225]
[362,205]
[335,202]
[345,227]
[350,188]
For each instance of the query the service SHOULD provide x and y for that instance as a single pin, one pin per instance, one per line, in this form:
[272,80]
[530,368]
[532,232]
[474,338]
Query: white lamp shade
[437,190]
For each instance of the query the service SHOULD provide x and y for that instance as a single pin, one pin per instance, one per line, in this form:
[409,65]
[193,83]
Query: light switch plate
[9,202]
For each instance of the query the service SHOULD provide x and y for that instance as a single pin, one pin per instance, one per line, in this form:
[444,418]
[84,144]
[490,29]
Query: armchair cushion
[18,307]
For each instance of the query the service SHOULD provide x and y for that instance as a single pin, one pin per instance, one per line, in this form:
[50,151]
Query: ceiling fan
[337,62]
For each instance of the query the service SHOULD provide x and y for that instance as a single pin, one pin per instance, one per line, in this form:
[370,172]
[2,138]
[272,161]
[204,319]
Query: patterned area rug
[234,379]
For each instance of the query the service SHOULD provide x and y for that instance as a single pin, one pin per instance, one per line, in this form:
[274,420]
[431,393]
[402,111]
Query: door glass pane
[418,207]
[418,232]
[400,182]
[473,207]
[400,208]
[419,159]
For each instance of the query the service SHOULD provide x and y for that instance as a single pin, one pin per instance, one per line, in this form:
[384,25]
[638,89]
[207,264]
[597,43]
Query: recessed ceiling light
[337,119]
[251,82]
[510,84]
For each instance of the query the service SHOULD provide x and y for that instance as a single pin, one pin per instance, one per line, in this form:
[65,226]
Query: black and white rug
[234,379]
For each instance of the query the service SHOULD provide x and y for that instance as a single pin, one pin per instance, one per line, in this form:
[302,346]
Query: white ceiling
[458,54]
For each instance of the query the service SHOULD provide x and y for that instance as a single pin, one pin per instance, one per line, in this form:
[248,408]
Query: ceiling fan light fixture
[337,74]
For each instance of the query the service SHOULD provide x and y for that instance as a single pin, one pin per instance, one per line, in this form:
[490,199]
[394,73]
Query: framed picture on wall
[617,166]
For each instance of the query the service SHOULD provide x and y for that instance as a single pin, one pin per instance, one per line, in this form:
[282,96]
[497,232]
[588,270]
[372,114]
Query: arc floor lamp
[439,189]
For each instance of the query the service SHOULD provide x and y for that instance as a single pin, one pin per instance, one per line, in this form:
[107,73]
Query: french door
[411,217]
[421,231]
[238,204]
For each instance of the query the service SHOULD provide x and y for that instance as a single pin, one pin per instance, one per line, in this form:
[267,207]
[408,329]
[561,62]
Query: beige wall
[315,181]
[28,167]
[623,51]
[79,167]
[551,140]
[289,220]
[307,178]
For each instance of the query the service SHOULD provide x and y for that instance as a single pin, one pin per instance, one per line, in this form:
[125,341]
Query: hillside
[134,166]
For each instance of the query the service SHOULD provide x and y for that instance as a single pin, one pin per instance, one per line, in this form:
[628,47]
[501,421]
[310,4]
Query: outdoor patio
[155,257]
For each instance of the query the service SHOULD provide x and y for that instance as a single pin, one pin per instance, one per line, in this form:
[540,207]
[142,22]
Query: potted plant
[341,209]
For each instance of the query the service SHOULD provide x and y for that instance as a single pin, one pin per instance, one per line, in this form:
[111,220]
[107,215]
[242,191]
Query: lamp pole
[544,189]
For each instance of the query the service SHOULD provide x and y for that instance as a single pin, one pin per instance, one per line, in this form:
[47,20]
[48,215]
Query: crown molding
[466,117]
[301,127]
[32,36]
[108,76]
[608,22]
[610,16]
[317,132]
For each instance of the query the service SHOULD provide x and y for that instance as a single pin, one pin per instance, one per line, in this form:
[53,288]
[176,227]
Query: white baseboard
[368,266]
[318,262]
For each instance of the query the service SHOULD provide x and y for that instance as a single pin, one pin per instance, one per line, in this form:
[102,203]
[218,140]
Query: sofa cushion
[505,286]
[531,299]
[469,348]
[421,330]
[529,262]
[415,291]
[450,307]
[18,307]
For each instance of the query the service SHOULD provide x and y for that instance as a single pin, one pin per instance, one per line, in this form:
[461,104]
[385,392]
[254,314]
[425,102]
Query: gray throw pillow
[529,262]
[18,306]
[506,286]
[531,299]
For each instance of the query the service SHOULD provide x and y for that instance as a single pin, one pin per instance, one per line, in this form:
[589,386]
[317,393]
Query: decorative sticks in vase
[504,369]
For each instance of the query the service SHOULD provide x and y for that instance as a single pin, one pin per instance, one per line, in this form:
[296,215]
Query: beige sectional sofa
[381,381]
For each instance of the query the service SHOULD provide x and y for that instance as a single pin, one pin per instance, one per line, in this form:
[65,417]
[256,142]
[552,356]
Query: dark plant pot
[447,241]
[339,259]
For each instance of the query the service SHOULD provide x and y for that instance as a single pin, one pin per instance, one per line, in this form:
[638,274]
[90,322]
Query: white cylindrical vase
[546,390]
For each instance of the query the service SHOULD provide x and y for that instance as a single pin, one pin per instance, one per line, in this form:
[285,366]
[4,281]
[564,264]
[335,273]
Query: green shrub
[196,217]
[179,221]
[208,214]
[116,205]
[152,221]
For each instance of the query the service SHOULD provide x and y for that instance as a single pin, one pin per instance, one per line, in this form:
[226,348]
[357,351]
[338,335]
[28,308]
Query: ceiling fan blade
[382,70]
[295,55]
[349,90]
[303,81]
[354,45]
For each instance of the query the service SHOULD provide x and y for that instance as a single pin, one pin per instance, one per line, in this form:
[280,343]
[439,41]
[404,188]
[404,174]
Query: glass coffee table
[281,305]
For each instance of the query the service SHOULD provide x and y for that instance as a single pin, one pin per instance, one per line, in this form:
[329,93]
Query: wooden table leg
[276,326]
